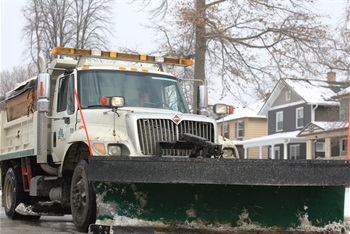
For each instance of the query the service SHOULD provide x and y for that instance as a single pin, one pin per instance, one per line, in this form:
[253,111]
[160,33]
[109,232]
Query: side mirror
[223,109]
[43,92]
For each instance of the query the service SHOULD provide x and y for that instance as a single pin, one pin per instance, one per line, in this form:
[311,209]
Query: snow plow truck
[116,146]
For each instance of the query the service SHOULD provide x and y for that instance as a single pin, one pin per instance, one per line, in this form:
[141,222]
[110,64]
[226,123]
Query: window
[226,130]
[288,94]
[164,92]
[65,99]
[294,151]
[320,147]
[239,129]
[279,121]
[300,117]
[344,145]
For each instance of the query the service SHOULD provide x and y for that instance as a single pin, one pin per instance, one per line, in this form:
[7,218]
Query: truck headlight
[228,153]
[114,150]
[116,101]
[223,109]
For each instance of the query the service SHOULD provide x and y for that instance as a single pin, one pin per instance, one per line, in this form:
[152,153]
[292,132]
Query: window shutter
[228,131]
[236,129]
[243,128]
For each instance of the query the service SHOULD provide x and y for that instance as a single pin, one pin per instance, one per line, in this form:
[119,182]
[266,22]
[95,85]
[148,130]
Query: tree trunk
[199,67]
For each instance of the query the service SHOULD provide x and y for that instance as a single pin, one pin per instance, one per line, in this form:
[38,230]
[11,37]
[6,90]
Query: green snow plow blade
[218,194]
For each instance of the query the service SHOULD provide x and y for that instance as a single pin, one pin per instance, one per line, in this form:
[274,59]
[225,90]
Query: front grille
[151,131]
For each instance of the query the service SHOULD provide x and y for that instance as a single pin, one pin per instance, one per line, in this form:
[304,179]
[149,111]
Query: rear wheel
[82,196]
[13,193]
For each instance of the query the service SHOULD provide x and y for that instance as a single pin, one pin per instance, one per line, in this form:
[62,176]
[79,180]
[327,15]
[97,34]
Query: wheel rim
[8,194]
[79,196]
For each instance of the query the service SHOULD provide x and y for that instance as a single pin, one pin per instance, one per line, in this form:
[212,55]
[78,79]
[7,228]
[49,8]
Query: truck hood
[140,128]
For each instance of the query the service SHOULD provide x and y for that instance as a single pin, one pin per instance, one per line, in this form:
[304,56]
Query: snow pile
[306,226]
[26,210]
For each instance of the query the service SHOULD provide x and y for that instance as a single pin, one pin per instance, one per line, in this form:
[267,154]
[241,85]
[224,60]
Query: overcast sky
[130,31]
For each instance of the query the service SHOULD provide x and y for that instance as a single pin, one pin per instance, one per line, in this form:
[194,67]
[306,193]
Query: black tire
[82,198]
[13,193]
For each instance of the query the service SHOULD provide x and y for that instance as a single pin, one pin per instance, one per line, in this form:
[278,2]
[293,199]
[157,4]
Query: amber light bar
[120,56]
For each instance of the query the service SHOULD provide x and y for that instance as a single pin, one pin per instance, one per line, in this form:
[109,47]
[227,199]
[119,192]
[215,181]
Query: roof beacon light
[96,53]
[159,59]
[120,56]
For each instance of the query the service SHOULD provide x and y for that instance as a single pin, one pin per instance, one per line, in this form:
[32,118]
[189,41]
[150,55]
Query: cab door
[64,116]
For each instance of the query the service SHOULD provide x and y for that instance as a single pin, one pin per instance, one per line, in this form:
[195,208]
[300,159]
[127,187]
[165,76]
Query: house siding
[327,113]
[256,128]
[289,118]
[253,127]
[281,99]
[281,146]
[254,153]
[344,109]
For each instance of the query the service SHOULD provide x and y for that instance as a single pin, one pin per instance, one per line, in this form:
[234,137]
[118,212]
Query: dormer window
[288,94]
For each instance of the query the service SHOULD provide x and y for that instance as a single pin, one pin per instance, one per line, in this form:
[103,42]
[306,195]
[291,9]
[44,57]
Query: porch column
[272,151]
[309,149]
[260,152]
[245,152]
[328,149]
[285,150]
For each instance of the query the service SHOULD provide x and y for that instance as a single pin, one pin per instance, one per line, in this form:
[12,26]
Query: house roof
[273,139]
[343,92]
[250,111]
[317,126]
[319,92]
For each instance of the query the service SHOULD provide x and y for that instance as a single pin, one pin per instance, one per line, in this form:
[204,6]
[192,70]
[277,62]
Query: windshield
[138,89]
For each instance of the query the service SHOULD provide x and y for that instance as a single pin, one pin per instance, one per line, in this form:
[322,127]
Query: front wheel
[13,193]
[82,197]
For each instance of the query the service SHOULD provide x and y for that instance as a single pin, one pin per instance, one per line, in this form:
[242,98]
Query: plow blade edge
[218,193]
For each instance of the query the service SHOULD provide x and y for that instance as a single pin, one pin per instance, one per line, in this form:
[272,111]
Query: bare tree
[79,23]
[341,50]
[248,44]
[92,23]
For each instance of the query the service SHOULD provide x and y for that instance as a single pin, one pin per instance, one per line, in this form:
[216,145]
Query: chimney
[331,76]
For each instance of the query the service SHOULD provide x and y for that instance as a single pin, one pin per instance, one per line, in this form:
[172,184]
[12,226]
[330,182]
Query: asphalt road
[45,225]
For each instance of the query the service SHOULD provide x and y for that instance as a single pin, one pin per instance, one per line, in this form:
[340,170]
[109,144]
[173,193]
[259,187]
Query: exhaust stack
[43,94]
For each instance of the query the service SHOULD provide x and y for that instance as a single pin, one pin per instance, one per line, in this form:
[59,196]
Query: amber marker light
[41,89]
[100,147]
[231,109]
[103,100]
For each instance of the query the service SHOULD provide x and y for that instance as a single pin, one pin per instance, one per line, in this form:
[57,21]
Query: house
[329,139]
[243,124]
[292,105]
